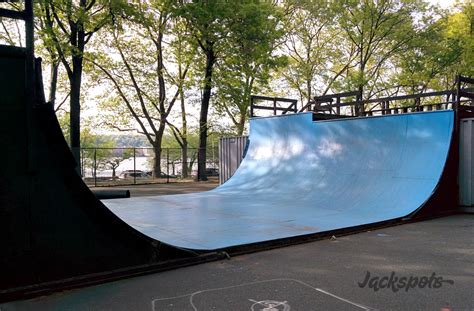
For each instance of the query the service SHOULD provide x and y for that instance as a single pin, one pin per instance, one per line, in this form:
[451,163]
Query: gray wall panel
[231,150]
[466,171]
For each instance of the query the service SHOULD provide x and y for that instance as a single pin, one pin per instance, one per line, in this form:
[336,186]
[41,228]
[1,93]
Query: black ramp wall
[51,226]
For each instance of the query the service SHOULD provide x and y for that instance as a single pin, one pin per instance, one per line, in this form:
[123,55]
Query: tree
[251,56]
[442,50]
[113,161]
[183,54]
[378,30]
[317,59]
[211,23]
[208,22]
[67,27]
[96,150]
[141,81]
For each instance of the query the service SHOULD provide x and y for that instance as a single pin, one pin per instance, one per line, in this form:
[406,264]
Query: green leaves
[440,51]
[238,48]
[243,36]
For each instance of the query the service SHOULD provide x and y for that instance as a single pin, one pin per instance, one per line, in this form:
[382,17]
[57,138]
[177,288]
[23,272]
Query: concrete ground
[420,266]
[164,188]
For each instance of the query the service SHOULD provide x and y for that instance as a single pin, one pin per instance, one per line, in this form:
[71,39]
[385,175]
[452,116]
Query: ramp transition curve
[302,177]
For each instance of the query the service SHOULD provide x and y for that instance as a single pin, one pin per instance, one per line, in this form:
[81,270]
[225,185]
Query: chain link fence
[126,166]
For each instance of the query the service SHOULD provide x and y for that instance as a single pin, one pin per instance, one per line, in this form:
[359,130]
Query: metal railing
[450,99]
[134,165]
[274,107]
[27,16]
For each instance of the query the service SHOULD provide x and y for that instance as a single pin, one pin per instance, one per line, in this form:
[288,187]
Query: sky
[442,3]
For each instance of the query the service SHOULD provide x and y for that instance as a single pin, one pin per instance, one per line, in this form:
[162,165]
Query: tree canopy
[185,68]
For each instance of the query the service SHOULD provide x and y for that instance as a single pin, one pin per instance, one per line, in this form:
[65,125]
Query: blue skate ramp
[302,177]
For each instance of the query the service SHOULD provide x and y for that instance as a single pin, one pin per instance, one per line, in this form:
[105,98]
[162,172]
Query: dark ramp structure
[52,227]
[300,180]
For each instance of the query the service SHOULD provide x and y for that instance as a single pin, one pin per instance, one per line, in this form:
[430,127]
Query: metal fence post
[95,167]
[83,172]
[167,165]
[134,166]
[213,153]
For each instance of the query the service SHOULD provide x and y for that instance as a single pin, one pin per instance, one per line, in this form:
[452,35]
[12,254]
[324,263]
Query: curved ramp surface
[301,177]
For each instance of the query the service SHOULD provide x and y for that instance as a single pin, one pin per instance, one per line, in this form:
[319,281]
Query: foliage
[378,30]
[66,27]
[444,49]
[180,71]
[313,44]
[250,58]
[139,84]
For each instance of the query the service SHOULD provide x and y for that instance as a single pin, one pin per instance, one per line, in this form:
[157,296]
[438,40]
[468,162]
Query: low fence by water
[125,166]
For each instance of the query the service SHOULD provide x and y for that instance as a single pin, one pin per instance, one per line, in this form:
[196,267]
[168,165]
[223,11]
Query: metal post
[134,166]
[95,167]
[29,26]
[82,163]
[30,79]
[167,165]
[458,93]
[251,107]
[274,107]
[457,101]
[358,106]
[213,153]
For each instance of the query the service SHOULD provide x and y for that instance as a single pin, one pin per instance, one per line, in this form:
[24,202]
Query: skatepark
[317,202]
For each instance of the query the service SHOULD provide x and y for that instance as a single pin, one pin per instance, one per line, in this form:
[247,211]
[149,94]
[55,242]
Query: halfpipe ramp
[302,177]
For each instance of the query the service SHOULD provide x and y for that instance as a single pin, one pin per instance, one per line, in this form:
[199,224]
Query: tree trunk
[308,89]
[157,149]
[184,135]
[184,159]
[54,82]
[360,108]
[241,125]
[157,161]
[210,60]
[191,162]
[77,39]
[75,112]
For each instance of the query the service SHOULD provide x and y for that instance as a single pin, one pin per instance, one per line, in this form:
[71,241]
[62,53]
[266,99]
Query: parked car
[133,174]
[164,175]
[212,172]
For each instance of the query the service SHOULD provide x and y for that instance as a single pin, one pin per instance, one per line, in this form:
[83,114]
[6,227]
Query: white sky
[442,3]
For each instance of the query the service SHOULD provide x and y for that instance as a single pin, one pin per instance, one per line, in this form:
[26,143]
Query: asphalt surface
[165,189]
[322,275]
